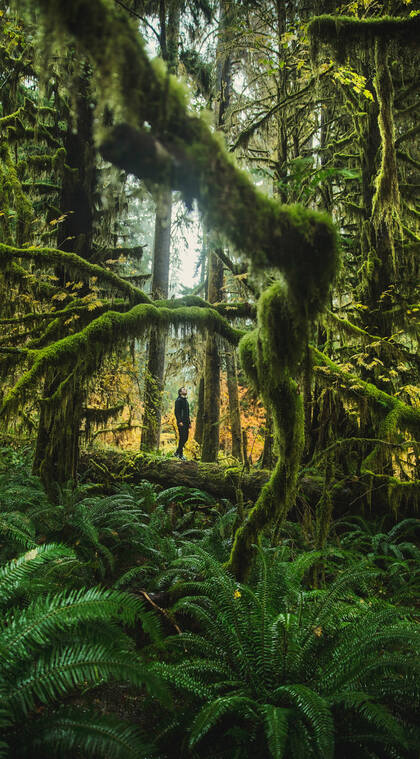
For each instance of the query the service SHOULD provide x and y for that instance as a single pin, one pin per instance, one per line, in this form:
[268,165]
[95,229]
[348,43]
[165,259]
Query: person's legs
[183,437]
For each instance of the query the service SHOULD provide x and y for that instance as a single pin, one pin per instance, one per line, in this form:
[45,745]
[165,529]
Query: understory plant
[54,649]
[272,669]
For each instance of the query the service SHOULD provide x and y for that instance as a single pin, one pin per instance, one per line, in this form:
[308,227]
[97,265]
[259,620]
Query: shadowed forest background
[261,598]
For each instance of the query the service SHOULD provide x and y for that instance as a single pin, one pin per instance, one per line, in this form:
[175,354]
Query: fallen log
[354,495]
[110,466]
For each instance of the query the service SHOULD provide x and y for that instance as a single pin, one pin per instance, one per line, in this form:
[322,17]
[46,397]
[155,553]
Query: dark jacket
[182,410]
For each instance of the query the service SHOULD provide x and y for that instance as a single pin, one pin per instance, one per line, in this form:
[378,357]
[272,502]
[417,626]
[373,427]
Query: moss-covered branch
[387,344]
[395,413]
[258,226]
[343,33]
[81,354]
[75,265]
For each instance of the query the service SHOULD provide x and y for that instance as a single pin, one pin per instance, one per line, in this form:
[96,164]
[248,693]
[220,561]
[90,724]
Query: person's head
[182,392]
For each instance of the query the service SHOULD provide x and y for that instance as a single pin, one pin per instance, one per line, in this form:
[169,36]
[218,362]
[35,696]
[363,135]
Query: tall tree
[211,409]
[169,19]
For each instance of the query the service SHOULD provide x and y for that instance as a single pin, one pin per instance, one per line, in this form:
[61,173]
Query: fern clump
[276,670]
[62,644]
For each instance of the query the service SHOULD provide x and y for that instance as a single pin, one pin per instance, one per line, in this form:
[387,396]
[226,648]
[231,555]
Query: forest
[218,201]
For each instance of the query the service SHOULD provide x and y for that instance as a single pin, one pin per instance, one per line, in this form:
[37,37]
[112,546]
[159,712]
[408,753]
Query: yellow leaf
[94,304]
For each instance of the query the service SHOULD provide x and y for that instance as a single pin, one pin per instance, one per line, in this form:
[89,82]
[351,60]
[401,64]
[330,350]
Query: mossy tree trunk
[211,406]
[234,410]
[267,460]
[198,433]
[57,444]
[154,380]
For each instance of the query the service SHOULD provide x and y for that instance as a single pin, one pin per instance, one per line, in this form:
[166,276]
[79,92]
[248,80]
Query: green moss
[345,33]
[300,243]
[83,352]
[74,265]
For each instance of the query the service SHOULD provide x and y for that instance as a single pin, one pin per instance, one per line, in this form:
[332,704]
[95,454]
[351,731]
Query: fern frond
[59,672]
[375,714]
[93,734]
[276,720]
[314,711]
[18,571]
[213,712]
[40,622]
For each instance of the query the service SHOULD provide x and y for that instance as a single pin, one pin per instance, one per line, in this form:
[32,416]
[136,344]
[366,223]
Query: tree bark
[234,410]
[198,434]
[268,454]
[154,380]
[57,445]
[211,409]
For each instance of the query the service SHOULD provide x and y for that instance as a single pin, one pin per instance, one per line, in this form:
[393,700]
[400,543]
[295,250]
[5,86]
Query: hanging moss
[74,265]
[345,33]
[85,350]
[393,414]
[301,243]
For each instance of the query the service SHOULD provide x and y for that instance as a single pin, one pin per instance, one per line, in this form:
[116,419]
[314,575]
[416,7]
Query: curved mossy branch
[79,266]
[81,354]
[395,413]
[75,265]
[268,233]
[185,150]
[270,355]
[230,310]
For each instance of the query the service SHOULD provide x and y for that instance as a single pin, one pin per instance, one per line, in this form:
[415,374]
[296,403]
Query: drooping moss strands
[357,389]
[344,33]
[393,413]
[386,202]
[270,234]
[74,265]
[86,349]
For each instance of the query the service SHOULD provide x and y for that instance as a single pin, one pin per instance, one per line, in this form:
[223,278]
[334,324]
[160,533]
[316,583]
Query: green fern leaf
[276,728]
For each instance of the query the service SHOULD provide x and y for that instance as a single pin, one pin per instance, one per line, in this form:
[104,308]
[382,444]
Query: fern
[276,727]
[288,662]
[59,643]
[92,733]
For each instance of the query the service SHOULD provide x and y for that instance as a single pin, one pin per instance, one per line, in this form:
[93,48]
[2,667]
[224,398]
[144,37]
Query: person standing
[182,414]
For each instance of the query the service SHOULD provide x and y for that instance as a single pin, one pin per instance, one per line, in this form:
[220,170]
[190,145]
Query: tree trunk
[268,455]
[57,445]
[234,410]
[198,434]
[211,409]
[154,380]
